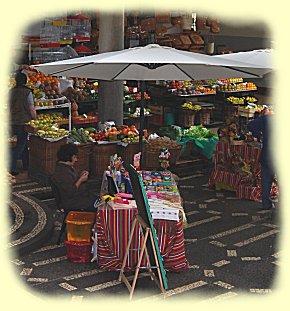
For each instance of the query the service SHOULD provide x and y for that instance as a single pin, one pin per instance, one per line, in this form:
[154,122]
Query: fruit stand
[58,102]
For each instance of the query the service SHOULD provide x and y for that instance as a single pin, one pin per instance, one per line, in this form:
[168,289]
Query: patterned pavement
[231,245]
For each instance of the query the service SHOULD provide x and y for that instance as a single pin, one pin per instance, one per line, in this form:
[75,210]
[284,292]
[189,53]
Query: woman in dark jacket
[71,186]
[261,128]
[22,110]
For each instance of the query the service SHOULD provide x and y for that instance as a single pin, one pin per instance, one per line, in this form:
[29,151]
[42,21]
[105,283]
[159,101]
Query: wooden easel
[148,233]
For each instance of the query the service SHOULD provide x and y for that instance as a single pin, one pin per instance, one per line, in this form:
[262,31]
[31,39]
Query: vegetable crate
[43,154]
[246,112]
[100,158]
[83,162]
[205,116]
[187,118]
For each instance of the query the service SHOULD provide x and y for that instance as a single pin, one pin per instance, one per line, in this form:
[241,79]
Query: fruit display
[98,136]
[82,90]
[126,134]
[191,106]
[45,89]
[187,88]
[46,120]
[230,80]
[233,87]
[241,100]
[249,110]
[206,82]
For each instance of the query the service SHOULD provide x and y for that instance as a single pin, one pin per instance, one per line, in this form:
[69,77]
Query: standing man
[22,110]
[261,129]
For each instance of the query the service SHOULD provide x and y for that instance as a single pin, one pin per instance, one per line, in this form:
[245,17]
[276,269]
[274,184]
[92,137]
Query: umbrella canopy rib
[123,69]
[243,71]
[184,71]
[74,67]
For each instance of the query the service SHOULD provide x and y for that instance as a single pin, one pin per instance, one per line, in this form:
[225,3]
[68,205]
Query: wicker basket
[83,162]
[127,153]
[150,159]
[100,158]
[42,154]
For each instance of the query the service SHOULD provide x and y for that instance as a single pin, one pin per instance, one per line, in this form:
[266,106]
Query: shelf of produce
[237,91]
[61,106]
[193,95]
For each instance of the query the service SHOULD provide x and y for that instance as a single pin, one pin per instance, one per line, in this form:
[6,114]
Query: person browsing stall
[72,188]
[22,110]
[260,128]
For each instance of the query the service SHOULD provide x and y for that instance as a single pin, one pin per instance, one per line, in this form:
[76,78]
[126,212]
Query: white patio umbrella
[262,57]
[152,62]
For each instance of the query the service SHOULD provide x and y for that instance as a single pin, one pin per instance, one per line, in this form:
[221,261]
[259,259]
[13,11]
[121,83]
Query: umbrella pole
[142,104]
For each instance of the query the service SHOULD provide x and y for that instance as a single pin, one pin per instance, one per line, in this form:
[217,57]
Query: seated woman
[71,186]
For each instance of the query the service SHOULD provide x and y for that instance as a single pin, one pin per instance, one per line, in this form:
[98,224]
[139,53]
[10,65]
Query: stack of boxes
[79,236]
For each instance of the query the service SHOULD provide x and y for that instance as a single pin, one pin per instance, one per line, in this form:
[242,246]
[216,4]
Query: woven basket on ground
[151,152]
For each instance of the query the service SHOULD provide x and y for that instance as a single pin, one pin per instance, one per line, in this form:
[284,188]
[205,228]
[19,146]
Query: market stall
[237,168]
[113,230]
[115,218]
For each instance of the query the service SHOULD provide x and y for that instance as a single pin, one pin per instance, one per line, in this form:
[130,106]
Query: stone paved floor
[231,245]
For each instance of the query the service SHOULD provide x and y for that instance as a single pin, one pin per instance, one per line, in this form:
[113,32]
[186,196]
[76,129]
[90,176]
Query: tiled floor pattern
[228,248]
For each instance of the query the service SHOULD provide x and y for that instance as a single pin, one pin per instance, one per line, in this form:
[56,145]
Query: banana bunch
[191,106]
[251,99]
[236,100]
[52,133]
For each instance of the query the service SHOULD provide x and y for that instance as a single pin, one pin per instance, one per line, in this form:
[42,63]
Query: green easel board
[144,211]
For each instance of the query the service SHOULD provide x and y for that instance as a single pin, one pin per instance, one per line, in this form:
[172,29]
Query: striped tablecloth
[223,174]
[113,227]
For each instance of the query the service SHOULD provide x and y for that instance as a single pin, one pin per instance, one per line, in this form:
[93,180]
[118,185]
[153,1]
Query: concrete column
[111,38]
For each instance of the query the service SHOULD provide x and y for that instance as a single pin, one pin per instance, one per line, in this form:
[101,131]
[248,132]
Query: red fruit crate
[78,251]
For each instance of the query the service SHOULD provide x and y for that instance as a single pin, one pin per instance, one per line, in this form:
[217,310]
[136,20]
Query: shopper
[261,129]
[72,189]
[22,110]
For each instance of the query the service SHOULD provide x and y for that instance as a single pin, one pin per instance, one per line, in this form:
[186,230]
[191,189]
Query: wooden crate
[244,112]
[157,115]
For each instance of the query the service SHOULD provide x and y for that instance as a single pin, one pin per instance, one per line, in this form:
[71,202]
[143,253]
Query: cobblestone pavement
[231,245]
